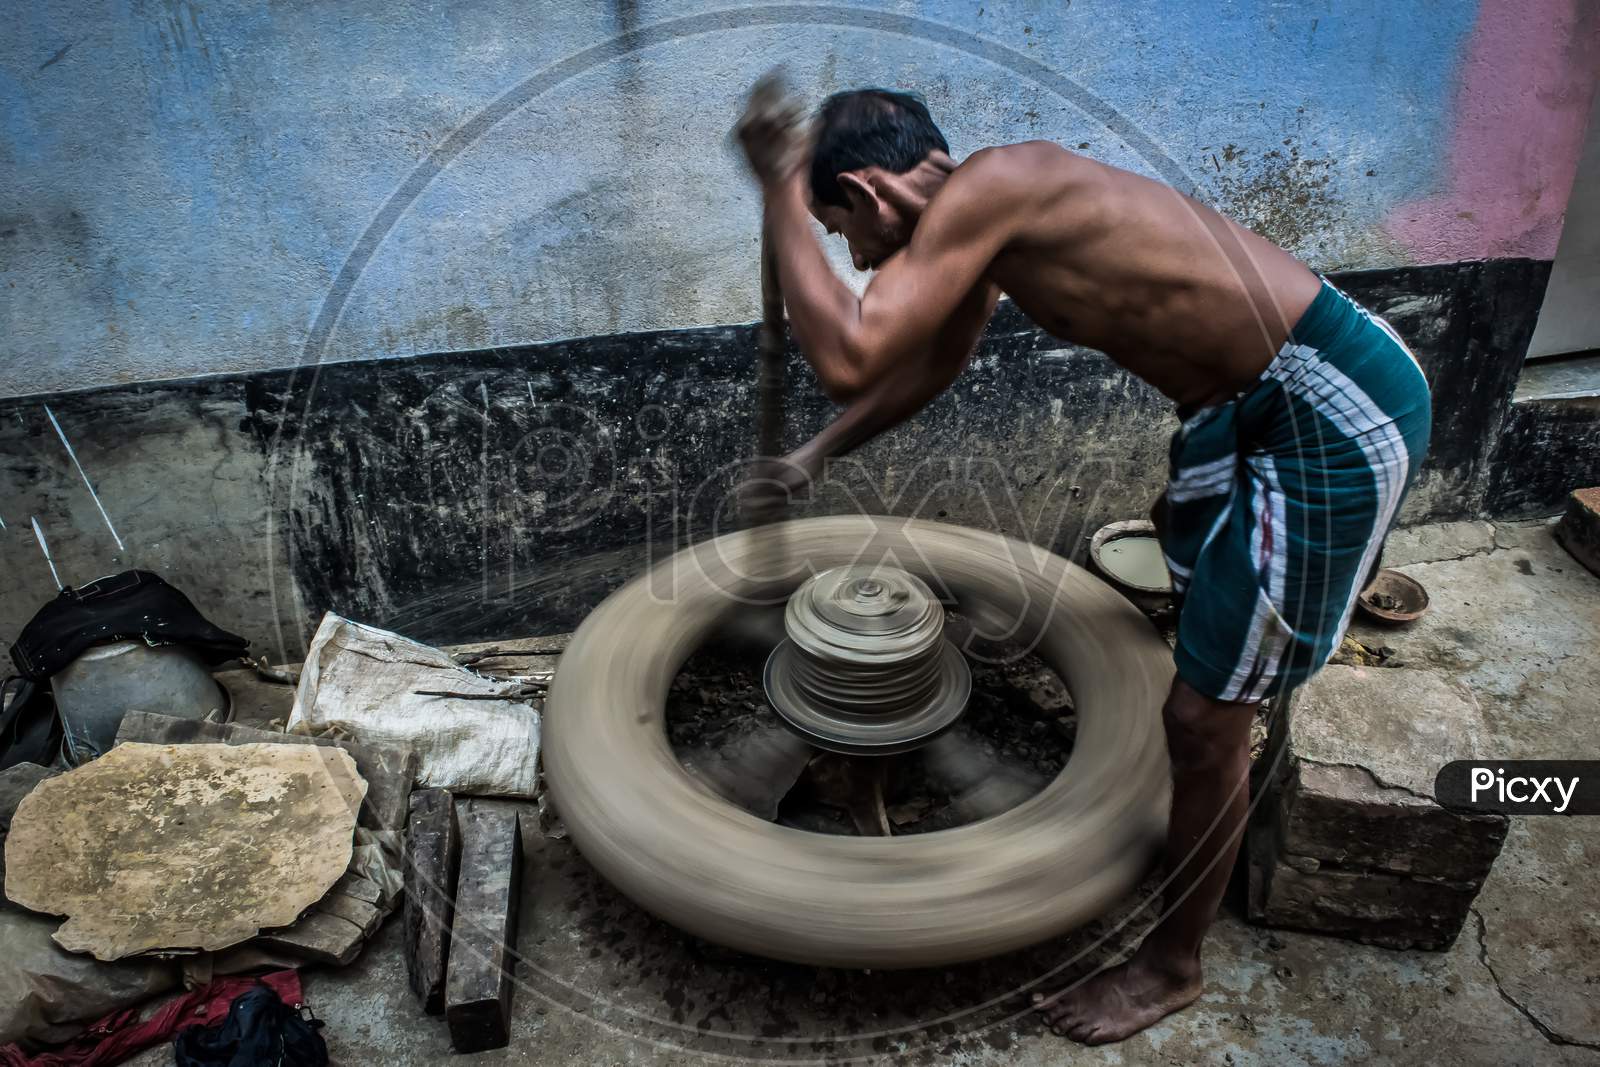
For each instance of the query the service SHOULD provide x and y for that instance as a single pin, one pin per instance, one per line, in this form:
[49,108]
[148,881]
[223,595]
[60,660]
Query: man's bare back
[1190,301]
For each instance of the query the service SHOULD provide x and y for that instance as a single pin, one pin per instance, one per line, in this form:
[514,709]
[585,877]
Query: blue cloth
[1280,500]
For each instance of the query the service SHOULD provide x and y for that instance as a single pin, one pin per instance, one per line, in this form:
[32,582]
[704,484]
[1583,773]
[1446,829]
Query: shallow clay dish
[1393,598]
[1147,598]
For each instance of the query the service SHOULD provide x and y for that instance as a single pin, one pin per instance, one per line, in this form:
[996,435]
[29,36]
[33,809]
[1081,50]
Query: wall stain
[462,326]
[53,60]
[1281,195]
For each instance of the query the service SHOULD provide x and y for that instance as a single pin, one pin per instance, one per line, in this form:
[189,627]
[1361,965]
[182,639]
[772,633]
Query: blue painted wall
[182,184]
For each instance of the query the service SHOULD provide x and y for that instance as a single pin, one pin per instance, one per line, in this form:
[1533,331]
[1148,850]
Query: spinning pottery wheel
[865,669]
[1058,859]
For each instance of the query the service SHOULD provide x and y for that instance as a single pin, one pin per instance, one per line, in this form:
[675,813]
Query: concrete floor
[1513,617]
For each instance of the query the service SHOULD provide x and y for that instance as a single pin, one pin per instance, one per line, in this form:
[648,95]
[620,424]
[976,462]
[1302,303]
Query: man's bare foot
[1119,1002]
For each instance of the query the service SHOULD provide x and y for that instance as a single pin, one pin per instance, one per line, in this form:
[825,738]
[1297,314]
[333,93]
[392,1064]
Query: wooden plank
[433,850]
[389,771]
[483,937]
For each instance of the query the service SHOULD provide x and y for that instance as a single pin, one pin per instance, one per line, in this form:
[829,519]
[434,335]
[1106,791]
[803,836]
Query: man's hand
[774,482]
[773,131]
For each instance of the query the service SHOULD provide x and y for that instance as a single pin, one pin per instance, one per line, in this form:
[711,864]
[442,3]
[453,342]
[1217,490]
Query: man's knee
[1202,732]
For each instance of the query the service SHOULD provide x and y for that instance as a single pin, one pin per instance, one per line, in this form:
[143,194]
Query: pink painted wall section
[1523,94]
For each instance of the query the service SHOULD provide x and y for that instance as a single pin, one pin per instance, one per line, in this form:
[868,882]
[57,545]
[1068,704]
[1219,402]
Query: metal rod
[44,546]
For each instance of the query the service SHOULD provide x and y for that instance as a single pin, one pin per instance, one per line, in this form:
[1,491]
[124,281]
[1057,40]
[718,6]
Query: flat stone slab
[1399,723]
[183,847]
[388,770]
[1429,544]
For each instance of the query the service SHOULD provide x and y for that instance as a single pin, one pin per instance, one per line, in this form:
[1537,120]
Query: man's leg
[1209,744]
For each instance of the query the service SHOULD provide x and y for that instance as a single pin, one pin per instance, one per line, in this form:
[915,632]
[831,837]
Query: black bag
[127,605]
[30,729]
[260,1031]
[133,604]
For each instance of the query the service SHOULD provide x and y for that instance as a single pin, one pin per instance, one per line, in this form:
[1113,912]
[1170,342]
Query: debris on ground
[1352,653]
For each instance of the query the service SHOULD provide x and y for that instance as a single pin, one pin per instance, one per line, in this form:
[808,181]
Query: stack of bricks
[1347,838]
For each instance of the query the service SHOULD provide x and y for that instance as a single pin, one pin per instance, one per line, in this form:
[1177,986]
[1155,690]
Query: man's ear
[859,191]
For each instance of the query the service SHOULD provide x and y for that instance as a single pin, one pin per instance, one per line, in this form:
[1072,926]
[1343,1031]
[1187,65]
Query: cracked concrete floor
[1513,616]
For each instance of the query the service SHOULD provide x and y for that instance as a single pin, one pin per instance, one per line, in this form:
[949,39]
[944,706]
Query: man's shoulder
[992,177]
[1021,160]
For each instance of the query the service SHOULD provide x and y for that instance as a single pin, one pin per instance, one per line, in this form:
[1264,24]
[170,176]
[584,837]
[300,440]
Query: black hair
[869,128]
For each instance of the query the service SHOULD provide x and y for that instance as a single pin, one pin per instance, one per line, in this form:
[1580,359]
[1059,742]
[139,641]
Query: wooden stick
[769,405]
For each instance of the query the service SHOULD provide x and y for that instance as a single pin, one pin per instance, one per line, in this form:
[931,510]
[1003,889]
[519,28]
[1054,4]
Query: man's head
[868,142]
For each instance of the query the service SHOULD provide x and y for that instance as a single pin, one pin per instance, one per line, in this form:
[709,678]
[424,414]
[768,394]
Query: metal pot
[97,689]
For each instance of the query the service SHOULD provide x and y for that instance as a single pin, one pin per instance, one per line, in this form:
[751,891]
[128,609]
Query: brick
[479,983]
[1579,528]
[433,850]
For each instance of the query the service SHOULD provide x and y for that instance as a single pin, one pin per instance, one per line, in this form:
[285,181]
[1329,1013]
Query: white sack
[365,681]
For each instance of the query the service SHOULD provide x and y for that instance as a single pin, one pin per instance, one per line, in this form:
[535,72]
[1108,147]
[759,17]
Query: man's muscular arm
[853,341]
[901,390]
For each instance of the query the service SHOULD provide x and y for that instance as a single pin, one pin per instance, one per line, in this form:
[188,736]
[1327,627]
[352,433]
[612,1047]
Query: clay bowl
[1393,598]
[1151,599]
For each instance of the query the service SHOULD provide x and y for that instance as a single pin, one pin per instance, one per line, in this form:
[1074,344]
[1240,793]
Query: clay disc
[1057,860]
[183,847]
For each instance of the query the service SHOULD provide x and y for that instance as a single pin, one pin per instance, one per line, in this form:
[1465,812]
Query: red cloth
[121,1034]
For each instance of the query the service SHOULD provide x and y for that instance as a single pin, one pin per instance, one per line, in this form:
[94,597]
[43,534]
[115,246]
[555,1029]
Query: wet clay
[1137,561]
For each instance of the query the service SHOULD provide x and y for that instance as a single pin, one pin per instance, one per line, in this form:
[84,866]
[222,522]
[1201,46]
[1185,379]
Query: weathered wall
[233,186]
[474,494]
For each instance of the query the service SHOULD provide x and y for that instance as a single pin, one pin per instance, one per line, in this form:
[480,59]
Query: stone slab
[183,847]
[1579,528]
[1372,907]
[389,771]
[1445,540]
[318,937]
[480,982]
[1341,815]
[1400,723]
[433,851]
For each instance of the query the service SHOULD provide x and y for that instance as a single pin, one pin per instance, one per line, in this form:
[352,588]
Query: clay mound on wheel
[1044,867]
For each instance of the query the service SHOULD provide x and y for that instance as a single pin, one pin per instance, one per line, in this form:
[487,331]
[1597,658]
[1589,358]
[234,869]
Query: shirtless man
[1303,420]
